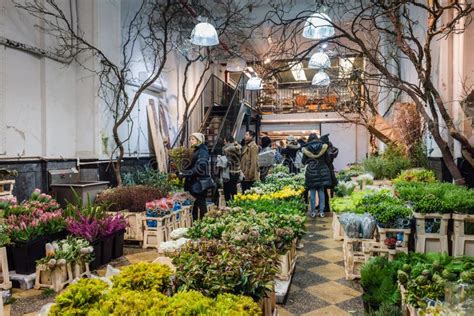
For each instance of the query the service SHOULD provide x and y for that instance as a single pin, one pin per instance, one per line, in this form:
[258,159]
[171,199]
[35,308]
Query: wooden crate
[337,229]
[268,305]
[383,232]
[287,266]
[55,279]
[354,256]
[6,188]
[463,245]
[80,270]
[5,272]
[134,229]
[431,242]
[377,248]
[154,236]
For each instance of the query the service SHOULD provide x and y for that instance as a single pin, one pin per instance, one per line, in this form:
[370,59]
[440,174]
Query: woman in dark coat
[331,155]
[197,177]
[318,174]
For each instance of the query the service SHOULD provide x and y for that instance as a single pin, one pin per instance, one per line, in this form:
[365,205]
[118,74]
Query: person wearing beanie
[289,154]
[249,161]
[197,177]
[266,157]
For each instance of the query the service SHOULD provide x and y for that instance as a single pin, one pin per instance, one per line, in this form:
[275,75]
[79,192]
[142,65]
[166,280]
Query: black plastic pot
[107,249]
[118,244]
[97,246]
[25,254]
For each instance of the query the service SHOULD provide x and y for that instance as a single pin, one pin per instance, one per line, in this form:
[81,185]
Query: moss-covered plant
[144,276]
[416,175]
[214,267]
[123,302]
[234,305]
[79,298]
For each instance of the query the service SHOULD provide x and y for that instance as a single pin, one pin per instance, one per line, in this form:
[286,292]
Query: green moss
[144,276]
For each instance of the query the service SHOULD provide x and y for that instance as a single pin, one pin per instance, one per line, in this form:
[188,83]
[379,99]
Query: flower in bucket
[85,227]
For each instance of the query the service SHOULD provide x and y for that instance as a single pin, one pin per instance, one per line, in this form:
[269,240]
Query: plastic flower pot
[57,236]
[97,246]
[25,254]
[117,251]
[107,249]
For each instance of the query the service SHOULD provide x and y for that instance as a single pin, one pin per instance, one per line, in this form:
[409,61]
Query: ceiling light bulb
[204,34]
[319,60]
[318,26]
[321,79]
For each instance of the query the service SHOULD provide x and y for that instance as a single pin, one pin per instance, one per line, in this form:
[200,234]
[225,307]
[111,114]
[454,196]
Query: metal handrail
[199,100]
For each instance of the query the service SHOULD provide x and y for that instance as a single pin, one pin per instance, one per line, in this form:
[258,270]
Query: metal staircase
[219,111]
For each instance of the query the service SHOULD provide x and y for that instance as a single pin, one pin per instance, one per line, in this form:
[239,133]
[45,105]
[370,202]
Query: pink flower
[36,190]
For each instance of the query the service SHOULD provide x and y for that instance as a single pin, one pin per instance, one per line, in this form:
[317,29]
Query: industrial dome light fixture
[318,26]
[319,60]
[254,83]
[321,79]
[236,64]
[204,34]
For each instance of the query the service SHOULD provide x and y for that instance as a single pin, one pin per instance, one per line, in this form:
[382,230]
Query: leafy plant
[4,238]
[214,267]
[344,188]
[388,210]
[388,165]
[189,303]
[229,304]
[71,249]
[128,302]
[143,276]
[79,298]
[416,175]
[378,279]
[130,198]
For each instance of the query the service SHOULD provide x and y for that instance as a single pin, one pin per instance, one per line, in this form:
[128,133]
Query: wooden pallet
[80,270]
[463,245]
[154,236]
[431,242]
[134,229]
[337,229]
[377,248]
[268,305]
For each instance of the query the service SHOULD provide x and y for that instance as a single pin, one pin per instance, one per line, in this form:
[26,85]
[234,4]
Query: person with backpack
[290,154]
[232,151]
[266,157]
[318,174]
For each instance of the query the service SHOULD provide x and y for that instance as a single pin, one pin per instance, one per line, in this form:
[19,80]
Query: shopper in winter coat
[232,151]
[266,157]
[289,154]
[197,178]
[318,175]
[331,155]
[249,161]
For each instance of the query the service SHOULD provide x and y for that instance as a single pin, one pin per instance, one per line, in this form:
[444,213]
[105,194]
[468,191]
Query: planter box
[376,248]
[337,229]
[117,250]
[463,245]
[354,256]
[407,309]
[5,283]
[431,242]
[96,262]
[25,254]
[55,279]
[107,244]
[57,236]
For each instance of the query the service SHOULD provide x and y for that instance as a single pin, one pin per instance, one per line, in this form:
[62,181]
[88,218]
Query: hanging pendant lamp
[318,26]
[319,60]
[204,34]
[321,79]
[236,64]
[254,83]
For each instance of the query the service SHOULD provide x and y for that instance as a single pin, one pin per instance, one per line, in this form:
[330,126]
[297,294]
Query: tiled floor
[319,286]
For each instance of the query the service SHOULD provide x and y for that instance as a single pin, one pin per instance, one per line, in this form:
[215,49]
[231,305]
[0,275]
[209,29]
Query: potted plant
[112,228]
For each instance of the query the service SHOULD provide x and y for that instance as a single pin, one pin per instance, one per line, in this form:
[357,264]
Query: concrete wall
[50,109]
